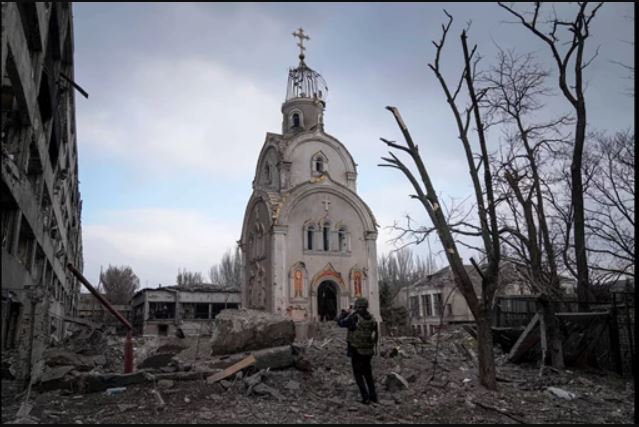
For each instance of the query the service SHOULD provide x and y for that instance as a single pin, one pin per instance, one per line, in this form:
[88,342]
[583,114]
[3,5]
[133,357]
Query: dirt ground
[327,393]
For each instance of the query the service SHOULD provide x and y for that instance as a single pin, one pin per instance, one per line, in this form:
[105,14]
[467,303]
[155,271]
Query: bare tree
[514,88]
[228,273]
[480,305]
[401,268]
[570,65]
[610,211]
[189,278]
[120,283]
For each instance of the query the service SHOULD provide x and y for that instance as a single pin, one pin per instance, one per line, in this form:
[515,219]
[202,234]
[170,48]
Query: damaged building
[90,309]
[39,195]
[308,238]
[176,310]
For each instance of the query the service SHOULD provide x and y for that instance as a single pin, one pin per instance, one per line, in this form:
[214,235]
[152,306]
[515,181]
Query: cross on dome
[300,35]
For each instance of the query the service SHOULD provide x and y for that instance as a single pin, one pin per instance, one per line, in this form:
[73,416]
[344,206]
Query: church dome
[304,82]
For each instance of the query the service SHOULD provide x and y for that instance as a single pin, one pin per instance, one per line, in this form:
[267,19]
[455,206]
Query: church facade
[308,240]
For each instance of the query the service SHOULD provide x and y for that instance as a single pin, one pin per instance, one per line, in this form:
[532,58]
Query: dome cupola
[306,94]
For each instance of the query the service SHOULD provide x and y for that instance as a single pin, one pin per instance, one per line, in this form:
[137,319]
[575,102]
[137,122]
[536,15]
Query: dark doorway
[327,301]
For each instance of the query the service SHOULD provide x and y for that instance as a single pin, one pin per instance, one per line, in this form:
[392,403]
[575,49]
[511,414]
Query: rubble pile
[418,381]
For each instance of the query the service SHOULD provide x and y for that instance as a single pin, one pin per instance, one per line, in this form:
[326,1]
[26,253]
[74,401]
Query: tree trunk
[553,333]
[487,375]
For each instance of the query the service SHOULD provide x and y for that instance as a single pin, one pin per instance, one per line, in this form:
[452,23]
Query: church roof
[304,82]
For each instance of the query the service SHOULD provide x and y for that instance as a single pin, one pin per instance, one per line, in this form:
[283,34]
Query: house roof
[205,287]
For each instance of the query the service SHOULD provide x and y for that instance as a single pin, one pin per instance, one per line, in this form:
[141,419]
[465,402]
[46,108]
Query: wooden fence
[601,338]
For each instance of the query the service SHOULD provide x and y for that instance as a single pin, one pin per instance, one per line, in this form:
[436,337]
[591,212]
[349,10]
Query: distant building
[40,202]
[437,292]
[162,311]
[92,310]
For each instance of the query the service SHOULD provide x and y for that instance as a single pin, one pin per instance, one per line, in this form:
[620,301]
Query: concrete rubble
[241,330]
[311,381]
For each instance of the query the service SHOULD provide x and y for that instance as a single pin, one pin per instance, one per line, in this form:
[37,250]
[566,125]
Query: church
[308,240]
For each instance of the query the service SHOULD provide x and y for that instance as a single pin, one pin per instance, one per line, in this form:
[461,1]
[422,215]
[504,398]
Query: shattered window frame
[161,310]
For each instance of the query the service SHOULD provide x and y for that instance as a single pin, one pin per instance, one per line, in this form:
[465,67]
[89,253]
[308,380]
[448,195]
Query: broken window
[414,306]
[195,311]
[437,303]
[161,310]
[26,244]
[34,168]
[217,307]
[8,215]
[201,311]
[188,311]
[426,305]
[38,277]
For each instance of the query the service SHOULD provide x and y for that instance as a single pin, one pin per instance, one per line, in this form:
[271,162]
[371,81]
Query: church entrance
[327,301]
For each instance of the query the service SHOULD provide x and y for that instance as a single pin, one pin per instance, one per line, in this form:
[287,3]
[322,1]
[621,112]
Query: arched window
[267,173]
[310,234]
[326,232]
[341,237]
[319,164]
[296,120]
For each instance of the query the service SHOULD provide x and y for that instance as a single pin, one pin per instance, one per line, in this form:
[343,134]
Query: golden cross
[300,34]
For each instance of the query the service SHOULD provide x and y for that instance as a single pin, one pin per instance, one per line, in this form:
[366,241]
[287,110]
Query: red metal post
[128,345]
[128,353]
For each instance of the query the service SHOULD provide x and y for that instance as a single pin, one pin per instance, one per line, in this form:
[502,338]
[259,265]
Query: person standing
[361,340]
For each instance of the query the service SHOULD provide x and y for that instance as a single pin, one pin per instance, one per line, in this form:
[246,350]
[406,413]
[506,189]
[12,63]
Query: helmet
[361,303]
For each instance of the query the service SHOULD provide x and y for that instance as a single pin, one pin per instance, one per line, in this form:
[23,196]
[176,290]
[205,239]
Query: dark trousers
[364,375]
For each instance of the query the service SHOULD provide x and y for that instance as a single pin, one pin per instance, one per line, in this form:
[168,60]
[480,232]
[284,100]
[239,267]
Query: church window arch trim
[319,164]
[296,119]
[309,232]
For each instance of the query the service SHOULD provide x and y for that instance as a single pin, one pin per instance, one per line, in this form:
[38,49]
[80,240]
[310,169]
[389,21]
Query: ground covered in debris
[322,390]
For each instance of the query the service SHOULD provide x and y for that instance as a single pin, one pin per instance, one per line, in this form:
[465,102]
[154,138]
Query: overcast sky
[182,94]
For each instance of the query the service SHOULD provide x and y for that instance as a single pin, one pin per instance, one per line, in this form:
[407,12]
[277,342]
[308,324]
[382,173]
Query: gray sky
[182,94]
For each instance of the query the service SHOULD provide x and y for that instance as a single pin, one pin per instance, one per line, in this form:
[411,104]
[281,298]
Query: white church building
[308,240]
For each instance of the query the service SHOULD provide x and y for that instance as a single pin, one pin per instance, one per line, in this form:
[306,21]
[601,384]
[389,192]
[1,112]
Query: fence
[602,337]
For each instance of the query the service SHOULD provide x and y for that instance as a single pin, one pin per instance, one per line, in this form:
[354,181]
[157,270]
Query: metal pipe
[128,344]
[100,298]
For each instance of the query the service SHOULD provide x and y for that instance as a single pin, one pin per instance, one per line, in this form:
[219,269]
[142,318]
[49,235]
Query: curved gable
[303,148]
[301,192]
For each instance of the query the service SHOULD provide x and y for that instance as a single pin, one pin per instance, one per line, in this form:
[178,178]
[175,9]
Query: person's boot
[372,395]
[362,389]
